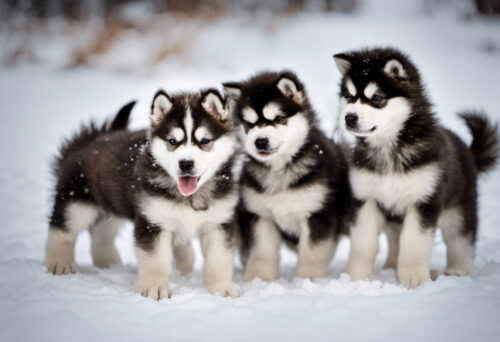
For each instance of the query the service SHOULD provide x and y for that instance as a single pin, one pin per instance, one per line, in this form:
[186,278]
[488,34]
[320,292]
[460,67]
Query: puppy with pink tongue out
[175,180]
[190,189]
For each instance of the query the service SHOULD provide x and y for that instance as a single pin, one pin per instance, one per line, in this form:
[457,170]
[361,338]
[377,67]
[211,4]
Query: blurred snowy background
[63,62]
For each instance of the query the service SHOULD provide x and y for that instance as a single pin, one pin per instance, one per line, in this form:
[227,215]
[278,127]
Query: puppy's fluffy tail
[484,144]
[121,119]
[90,131]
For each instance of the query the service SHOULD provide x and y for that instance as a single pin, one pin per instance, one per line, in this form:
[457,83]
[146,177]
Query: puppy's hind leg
[103,249]
[459,240]
[64,229]
[392,232]
[184,256]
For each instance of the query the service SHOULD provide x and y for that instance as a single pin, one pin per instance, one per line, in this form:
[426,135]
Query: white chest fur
[395,190]
[287,207]
[182,219]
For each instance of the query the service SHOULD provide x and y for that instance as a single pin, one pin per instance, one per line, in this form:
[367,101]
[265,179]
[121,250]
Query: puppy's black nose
[261,143]
[186,165]
[351,120]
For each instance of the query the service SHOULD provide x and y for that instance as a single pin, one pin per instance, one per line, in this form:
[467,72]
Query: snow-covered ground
[42,103]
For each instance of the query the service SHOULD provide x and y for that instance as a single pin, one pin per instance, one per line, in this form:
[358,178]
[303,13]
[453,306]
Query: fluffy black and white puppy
[408,174]
[175,180]
[294,182]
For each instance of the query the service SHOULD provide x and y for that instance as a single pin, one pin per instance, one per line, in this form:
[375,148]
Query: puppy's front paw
[411,277]
[224,290]
[184,259]
[153,289]
[59,266]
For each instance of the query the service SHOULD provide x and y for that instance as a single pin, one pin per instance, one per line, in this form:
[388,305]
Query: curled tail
[90,131]
[484,144]
[121,119]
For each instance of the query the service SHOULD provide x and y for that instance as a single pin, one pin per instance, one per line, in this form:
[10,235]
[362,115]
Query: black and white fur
[294,181]
[108,173]
[409,175]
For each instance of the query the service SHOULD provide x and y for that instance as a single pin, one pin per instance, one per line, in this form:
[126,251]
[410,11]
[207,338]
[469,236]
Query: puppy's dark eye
[278,118]
[376,98]
[172,141]
[204,141]
[349,98]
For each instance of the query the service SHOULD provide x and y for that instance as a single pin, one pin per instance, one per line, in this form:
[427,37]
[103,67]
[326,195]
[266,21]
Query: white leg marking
[155,267]
[184,257]
[218,267]
[459,249]
[60,250]
[392,233]
[103,249]
[264,258]
[415,251]
[79,216]
[313,257]
[364,241]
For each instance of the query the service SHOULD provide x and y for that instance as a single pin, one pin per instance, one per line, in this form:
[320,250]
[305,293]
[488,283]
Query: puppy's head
[377,91]
[273,114]
[191,137]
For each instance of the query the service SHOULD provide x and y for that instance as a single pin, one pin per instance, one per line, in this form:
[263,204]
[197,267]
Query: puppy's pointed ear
[213,103]
[232,90]
[161,106]
[291,88]
[342,60]
[393,68]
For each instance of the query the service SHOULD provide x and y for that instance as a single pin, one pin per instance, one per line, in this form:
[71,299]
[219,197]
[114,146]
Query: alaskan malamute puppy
[175,180]
[294,183]
[409,175]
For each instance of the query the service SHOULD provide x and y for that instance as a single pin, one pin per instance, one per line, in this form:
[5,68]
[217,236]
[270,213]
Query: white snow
[42,103]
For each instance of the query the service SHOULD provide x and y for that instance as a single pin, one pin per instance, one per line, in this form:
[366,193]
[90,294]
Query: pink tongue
[187,185]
